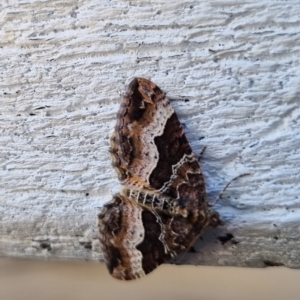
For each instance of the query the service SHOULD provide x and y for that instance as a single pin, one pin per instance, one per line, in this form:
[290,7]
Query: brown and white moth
[162,206]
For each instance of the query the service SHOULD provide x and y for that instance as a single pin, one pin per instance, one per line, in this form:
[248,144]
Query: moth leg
[224,189]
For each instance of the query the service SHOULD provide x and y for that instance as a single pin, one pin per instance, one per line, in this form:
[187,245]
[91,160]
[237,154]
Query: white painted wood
[63,68]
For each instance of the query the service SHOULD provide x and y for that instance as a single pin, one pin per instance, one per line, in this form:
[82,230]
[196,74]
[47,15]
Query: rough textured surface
[233,68]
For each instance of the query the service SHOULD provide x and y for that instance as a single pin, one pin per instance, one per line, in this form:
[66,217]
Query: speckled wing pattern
[162,206]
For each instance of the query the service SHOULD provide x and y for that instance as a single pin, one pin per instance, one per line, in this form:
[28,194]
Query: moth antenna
[201,153]
[226,186]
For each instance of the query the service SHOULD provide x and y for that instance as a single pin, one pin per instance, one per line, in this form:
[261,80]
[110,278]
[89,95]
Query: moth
[162,206]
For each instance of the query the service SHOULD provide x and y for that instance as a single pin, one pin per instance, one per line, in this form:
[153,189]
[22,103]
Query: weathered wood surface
[63,68]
